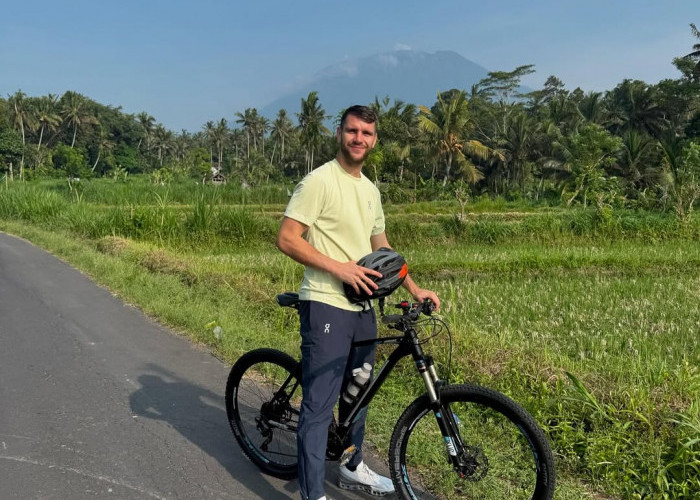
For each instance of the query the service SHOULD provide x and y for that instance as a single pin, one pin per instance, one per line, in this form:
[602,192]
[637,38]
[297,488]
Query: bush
[70,162]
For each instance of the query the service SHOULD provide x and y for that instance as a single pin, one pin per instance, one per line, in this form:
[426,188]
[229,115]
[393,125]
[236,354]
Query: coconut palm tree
[311,126]
[515,149]
[182,143]
[635,105]
[591,107]
[399,123]
[104,144]
[21,119]
[398,132]
[586,154]
[146,123]
[47,116]
[261,126]
[448,125]
[282,128]
[636,161]
[210,139]
[246,120]
[695,54]
[75,113]
[163,142]
[220,133]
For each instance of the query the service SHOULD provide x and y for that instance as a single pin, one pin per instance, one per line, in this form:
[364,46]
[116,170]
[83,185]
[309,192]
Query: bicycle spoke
[262,402]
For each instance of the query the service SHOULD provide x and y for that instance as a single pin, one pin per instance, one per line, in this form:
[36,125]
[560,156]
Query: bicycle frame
[408,344]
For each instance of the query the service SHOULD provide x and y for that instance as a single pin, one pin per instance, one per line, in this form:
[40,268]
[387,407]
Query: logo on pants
[327,328]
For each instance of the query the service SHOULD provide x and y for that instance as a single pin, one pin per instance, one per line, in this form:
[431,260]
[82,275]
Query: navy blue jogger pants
[327,333]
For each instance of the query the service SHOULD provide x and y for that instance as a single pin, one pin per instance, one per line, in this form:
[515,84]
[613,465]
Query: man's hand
[421,295]
[357,277]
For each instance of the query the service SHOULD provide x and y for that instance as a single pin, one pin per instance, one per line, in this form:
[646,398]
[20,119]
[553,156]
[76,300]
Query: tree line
[635,145]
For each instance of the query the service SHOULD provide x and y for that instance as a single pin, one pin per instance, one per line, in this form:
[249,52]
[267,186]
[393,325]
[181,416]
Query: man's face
[356,139]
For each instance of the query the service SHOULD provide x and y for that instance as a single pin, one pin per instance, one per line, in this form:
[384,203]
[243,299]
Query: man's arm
[418,293]
[290,240]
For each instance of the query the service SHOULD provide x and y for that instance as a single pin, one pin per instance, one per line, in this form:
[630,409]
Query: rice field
[592,323]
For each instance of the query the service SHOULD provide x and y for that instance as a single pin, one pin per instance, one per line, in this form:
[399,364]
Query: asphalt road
[99,401]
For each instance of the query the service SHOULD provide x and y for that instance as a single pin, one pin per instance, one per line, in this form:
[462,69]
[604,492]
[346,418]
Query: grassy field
[591,320]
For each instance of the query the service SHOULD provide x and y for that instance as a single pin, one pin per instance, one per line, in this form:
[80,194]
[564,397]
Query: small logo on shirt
[327,328]
[369,205]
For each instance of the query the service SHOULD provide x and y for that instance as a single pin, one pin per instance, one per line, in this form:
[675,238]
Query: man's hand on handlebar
[422,295]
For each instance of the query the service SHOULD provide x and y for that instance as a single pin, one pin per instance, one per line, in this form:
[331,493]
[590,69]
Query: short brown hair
[364,113]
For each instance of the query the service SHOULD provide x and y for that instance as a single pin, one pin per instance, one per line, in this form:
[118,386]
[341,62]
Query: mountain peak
[412,76]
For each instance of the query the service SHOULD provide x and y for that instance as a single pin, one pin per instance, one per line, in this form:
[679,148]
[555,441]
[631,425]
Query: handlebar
[411,312]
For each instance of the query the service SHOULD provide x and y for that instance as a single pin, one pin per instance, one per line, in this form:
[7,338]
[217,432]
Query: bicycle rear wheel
[506,454]
[263,393]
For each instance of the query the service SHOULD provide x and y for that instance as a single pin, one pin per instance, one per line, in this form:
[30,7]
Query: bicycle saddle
[288,299]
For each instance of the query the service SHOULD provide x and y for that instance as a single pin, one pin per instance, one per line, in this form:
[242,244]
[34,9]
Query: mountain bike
[453,442]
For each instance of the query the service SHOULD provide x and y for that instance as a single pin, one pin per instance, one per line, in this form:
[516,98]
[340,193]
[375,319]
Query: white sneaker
[364,478]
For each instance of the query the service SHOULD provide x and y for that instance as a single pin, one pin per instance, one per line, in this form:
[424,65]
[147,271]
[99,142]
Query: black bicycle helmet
[393,268]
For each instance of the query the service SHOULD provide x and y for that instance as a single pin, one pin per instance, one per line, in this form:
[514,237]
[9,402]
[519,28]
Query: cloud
[401,46]
[387,60]
[347,68]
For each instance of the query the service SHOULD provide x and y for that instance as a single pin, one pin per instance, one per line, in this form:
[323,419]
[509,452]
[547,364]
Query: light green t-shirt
[342,212]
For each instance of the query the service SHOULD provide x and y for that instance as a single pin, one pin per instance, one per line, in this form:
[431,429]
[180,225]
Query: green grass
[592,324]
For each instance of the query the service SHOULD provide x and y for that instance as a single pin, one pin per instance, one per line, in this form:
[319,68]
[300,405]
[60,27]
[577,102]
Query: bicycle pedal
[347,454]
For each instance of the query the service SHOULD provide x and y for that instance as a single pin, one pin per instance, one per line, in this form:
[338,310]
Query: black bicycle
[453,442]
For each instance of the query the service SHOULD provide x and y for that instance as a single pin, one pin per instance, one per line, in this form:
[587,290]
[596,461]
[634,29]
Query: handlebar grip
[391,319]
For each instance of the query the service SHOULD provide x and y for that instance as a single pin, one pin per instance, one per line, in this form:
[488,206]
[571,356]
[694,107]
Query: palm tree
[146,122]
[181,145]
[398,123]
[261,125]
[210,138]
[695,54]
[220,132]
[163,139]
[635,162]
[635,105]
[282,128]
[249,122]
[447,124]
[104,144]
[75,113]
[515,149]
[585,154]
[47,115]
[591,107]
[398,130]
[563,112]
[311,126]
[21,119]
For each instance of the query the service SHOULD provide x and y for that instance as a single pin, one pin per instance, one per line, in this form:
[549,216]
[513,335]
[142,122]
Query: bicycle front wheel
[263,394]
[504,453]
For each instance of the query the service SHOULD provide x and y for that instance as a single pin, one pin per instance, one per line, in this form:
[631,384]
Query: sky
[187,62]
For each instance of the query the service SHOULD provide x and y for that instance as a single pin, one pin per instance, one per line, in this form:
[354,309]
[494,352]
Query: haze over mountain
[409,75]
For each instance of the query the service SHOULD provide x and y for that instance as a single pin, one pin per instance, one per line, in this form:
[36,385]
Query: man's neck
[354,169]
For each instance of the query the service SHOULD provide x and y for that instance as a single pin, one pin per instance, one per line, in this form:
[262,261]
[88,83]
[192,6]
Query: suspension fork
[446,420]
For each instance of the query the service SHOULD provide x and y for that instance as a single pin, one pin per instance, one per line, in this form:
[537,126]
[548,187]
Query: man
[334,218]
